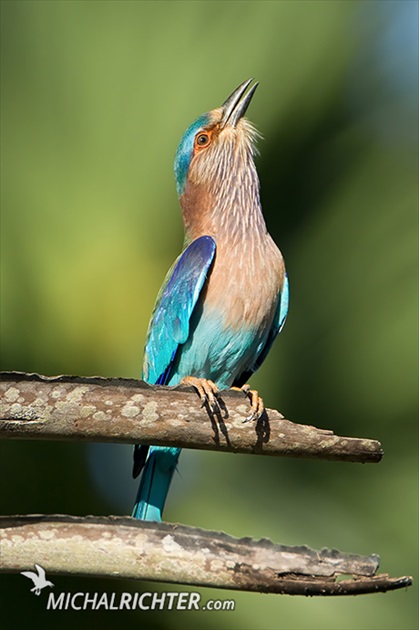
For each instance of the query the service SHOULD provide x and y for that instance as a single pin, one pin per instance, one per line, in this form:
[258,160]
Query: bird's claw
[257,404]
[207,391]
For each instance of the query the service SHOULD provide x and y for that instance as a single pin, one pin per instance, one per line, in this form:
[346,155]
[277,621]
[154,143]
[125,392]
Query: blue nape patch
[184,152]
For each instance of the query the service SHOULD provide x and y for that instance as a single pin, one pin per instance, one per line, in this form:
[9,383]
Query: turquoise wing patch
[169,325]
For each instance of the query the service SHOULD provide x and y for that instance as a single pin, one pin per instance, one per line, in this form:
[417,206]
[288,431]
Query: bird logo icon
[39,579]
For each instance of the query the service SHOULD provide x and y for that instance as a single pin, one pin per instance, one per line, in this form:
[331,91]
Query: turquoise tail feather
[155,483]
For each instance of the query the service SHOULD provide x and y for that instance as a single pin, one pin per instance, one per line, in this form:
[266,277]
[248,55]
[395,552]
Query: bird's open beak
[237,103]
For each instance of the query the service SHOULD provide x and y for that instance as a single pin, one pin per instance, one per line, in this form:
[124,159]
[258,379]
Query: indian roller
[225,298]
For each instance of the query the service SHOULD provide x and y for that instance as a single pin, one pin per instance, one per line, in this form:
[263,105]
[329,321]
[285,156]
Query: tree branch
[126,410]
[163,552]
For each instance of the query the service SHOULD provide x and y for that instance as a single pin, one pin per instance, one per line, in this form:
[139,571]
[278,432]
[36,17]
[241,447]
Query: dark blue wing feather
[169,325]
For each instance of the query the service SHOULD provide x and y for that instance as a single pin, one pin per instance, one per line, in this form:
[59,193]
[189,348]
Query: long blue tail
[155,481]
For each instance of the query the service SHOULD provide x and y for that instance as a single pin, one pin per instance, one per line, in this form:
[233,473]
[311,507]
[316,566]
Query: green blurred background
[95,97]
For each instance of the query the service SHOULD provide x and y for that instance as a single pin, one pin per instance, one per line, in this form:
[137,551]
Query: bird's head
[217,150]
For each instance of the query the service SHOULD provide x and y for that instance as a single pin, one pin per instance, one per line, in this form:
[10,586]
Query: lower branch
[164,552]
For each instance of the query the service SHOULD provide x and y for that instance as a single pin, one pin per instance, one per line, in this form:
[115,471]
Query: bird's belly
[217,353]
[228,330]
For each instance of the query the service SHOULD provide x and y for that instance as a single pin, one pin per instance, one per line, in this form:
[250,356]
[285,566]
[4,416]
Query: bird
[225,298]
[39,579]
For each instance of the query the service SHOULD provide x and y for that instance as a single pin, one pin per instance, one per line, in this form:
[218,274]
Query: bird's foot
[257,404]
[207,391]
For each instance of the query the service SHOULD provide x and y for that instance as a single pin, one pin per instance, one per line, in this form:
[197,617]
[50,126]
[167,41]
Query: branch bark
[126,410]
[128,548]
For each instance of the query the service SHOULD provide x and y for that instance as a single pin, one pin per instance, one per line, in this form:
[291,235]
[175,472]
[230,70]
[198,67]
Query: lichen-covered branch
[131,411]
[163,552]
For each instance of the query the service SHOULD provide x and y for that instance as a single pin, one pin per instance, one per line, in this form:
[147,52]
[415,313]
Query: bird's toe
[257,405]
[207,391]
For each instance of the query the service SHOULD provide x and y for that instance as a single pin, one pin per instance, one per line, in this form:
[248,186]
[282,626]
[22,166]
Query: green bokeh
[95,96]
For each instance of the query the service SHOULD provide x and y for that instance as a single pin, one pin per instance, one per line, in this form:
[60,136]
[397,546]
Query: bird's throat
[220,215]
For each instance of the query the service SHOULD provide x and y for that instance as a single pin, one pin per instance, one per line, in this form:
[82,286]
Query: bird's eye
[202,140]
